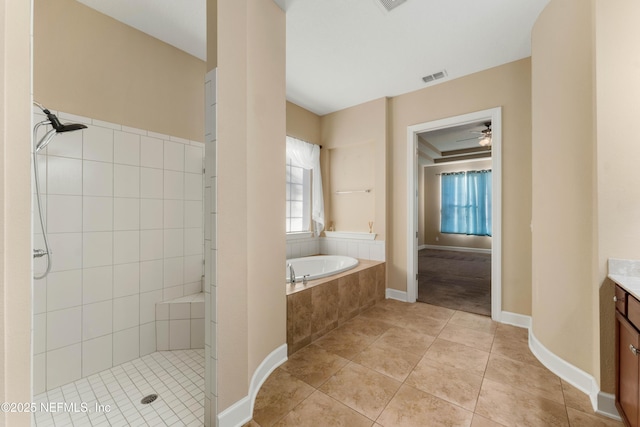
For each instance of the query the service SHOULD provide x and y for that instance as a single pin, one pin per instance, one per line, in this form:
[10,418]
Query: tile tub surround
[323,304]
[123,209]
[180,323]
[357,248]
[400,364]
[302,245]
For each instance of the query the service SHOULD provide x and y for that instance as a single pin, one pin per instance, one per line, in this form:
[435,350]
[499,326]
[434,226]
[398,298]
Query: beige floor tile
[321,410]
[459,387]
[392,304]
[391,362]
[362,389]
[513,333]
[513,407]
[474,321]
[414,408]
[427,320]
[469,337]
[433,311]
[576,399]
[314,365]
[514,348]
[479,421]
[368,327]
[279,394]
[449,354]
[383,314]
[343,343]
[581,419]
[532,379]
[406,339]
[473,364]
[423,324]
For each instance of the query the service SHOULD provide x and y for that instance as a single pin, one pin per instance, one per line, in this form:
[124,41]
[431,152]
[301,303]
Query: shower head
[69,127]
[55,122]
[57,127]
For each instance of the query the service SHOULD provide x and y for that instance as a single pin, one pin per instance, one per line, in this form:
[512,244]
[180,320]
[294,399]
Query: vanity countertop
[626,273]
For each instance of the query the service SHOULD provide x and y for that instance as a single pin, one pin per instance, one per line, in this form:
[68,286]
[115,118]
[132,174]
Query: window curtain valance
[307,156]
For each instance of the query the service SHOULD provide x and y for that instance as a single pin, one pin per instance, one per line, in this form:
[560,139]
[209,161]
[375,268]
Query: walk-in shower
[57,128]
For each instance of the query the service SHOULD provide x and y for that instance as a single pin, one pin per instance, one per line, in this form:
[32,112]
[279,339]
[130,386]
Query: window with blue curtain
[466,203]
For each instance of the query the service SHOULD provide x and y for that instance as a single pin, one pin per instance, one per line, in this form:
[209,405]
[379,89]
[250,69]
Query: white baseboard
[456,248]
[606,405]
[241,412]
[515,319]
[396,294]
[603,403]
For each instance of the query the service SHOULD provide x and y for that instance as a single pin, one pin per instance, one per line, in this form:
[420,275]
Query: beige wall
[563,183]
[251,185]
[431,219]
[303,124]
[15,212]
[617,37]
[91,65]
[354,157]
[508,86]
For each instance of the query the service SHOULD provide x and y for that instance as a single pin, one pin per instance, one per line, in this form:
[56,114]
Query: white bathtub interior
[316,267]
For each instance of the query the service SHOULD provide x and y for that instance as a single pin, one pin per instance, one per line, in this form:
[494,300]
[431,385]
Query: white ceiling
[433,143]
[342,53]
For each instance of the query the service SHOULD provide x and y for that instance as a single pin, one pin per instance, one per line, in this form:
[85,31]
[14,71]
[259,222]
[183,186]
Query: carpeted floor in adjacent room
[456,280]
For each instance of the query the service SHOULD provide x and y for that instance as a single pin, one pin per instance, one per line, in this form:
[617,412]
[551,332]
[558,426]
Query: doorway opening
[459,265]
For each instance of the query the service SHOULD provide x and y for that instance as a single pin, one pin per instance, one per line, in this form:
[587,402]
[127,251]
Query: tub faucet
[292,274]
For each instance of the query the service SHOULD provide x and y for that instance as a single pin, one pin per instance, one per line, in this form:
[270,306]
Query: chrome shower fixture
[46,139]
[57,127]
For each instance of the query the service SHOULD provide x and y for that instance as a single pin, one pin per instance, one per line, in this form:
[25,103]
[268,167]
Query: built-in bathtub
[323,304]
[318,266]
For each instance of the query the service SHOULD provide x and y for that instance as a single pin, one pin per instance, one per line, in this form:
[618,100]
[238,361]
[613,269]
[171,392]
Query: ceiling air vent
[434,76]
[391,4]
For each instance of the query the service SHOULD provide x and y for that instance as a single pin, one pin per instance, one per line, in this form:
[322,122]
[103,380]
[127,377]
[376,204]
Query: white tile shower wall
[124,210]
[210,209]
[363,249]
[180,323]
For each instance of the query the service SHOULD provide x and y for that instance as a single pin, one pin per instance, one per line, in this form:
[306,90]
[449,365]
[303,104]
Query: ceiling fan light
[485,141]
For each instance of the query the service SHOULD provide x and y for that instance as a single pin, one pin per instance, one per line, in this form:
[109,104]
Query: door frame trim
[495,115]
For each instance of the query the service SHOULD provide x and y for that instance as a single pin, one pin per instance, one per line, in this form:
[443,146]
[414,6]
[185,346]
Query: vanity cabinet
[627,357]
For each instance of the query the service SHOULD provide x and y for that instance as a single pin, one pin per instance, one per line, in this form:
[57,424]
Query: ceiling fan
[485,138]
[485,135]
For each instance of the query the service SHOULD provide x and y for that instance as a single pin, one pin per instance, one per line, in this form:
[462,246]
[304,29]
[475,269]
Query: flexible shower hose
[42,227]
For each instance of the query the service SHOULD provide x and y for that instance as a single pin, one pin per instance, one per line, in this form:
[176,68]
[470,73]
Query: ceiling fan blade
[468,139]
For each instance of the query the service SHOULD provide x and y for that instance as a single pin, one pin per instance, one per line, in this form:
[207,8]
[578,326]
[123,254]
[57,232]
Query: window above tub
[304,202]
[298,198]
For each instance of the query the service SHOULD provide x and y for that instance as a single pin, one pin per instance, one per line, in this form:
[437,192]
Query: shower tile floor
[177,377]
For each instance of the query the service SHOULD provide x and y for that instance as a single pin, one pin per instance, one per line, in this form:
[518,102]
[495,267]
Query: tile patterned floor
[420,365]
[176,376]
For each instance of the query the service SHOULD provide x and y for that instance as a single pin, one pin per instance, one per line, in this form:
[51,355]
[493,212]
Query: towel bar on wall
[368,190]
